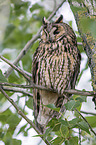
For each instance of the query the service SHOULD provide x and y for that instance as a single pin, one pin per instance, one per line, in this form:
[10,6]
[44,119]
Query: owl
[56,65]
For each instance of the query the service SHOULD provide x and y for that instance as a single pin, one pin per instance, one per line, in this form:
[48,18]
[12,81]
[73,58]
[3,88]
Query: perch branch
[23,115]
[29,43]
[71,91]
[86,121]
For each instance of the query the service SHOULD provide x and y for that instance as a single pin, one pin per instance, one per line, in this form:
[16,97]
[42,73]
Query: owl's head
[54,31]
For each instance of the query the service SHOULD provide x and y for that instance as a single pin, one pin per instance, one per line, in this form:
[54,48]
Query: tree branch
[20,112]
[17,90]
[22,53]
[27,73]
[15,67]
[87,113]
[71,91]
[89,42]
[86,122]
[29,43]
[55,10]
[23,115]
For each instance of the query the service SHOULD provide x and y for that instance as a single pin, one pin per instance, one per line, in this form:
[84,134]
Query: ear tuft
[59,19]
[44,21]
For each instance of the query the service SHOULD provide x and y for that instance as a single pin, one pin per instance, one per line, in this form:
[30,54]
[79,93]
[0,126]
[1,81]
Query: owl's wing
[36,94]
[47,98]
[76,71]
[34,77]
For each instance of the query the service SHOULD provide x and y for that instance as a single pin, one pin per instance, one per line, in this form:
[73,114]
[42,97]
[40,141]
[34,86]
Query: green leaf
[22,129]
[88,24]
[81,98]
[9,30]
[71,105]
[84,126]
[2,78]
[1,134]
[13,78]
[79,1]
[29,103]
[54,124]
[53,107]
[4,115]
[64,131]
[35,6]
[74,122]
[47,132]
[13,120]
[9,141]
[76,9]
[72,141]
[6,112]
[16,142]
[64,122]
[57,141]
[38,135]
[91,120]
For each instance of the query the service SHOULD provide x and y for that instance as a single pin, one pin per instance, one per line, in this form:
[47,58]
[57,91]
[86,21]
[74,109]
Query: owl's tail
[46,114]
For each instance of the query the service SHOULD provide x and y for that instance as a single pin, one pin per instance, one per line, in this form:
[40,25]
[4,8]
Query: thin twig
[29,43]
[23,115]
[55,10]
[17,90]
[71,91]
[19,111]
[15,67]
[87,112]
[15,85]
[86,121]
[27,73]
[79,136]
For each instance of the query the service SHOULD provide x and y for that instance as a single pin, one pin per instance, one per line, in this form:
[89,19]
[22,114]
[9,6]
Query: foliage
[22,23]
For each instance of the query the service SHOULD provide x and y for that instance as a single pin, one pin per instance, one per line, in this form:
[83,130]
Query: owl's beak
[50,40]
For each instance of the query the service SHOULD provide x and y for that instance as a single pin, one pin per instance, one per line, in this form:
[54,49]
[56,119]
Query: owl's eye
[56,32]
[45,26]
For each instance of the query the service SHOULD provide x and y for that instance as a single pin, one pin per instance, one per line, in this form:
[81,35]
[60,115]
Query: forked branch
[23,115]
[15,67]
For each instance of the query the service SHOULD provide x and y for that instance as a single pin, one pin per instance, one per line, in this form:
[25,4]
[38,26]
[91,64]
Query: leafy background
[20,21]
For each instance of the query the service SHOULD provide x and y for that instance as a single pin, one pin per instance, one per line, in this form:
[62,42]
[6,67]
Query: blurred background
[20,20]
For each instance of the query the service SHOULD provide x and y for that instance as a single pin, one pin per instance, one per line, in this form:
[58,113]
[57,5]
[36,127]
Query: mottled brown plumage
[56,65]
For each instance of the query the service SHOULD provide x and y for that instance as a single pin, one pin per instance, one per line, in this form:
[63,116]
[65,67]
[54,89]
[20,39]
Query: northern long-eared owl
[56,65]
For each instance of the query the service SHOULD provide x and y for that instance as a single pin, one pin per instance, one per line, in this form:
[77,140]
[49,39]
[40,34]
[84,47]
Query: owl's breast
[55,71]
